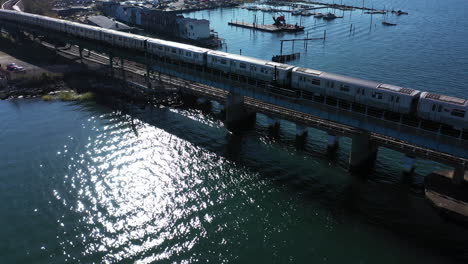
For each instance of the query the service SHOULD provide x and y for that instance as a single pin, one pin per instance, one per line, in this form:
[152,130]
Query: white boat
[297,12]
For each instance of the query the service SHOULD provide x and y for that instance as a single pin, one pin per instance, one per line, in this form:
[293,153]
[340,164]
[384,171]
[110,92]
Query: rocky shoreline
[20,91]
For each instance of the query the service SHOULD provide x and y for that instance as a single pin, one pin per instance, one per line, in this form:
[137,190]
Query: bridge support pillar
[363,153]
[332,142]
[459,174]
[111,63]
[301,131]
[123,69]
[148,68]
[273,122]
[408,164]
[80,49]
[237,116]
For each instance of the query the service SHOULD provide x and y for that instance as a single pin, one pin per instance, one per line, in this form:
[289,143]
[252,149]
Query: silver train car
[378,95]
[438,108]
[444,109]
[266,71]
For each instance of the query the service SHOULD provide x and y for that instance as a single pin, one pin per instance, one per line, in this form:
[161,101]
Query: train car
[444,109]
[72,28]
[192,54]
[157,47]
[383,96]
[250,67]
[308,80]
[107,36]
[88,32]
[130,41]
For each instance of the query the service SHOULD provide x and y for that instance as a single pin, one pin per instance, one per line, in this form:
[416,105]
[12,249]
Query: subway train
[299,82]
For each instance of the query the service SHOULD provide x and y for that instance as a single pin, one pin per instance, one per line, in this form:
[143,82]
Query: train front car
[444,109]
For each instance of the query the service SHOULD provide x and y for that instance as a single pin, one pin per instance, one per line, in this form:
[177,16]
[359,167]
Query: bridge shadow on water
[382,197]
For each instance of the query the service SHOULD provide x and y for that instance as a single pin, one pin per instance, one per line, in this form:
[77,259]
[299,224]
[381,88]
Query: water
[427,49]
[84,183]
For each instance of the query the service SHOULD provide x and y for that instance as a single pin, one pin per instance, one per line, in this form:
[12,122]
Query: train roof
[444,98]
[308,71]
[250,60]
[398,89]
[350,80]
[177,45]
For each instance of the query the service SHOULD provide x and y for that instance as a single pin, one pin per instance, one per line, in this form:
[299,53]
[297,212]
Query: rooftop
[104,22]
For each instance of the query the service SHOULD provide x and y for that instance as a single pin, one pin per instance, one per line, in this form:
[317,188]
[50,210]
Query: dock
[268,28]
[449,199]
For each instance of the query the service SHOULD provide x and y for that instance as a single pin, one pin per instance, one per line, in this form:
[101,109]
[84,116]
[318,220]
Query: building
[158,21]
[104,22]
[190,28]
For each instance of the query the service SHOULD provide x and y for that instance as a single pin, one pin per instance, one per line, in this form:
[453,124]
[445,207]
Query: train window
[433,107]
[315,82]
[174,50]
[458,113]
[439,109]
[223,61]
[377,95]
[332,84]
[188,54]
[397,99]
[195,56]
[391,98]
[242,65]
[344,88]
[253,68]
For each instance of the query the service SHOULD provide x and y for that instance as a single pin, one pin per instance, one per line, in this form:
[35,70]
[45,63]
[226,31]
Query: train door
[436,112]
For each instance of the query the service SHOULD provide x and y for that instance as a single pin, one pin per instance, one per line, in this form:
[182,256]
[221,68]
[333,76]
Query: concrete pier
[363,153]
[332,142]
[451,200]
[408,164]
[301,131]
[273,122]
[459,174]
[237,116]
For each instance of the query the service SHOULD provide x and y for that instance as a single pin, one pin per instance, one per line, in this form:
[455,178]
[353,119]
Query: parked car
[11,66]
[19,69]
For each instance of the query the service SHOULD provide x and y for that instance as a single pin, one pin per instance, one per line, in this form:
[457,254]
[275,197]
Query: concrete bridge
[242,99]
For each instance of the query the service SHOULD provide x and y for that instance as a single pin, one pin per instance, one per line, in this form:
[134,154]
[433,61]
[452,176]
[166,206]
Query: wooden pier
[268,28]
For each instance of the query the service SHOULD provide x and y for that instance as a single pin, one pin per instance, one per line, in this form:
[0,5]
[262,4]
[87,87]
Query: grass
[68,96]
[47,97]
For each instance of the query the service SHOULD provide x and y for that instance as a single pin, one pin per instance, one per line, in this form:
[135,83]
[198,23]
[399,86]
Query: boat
[399,12]
[319,15]
[306,13]
[297,12]
[385,23]
[329,16]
